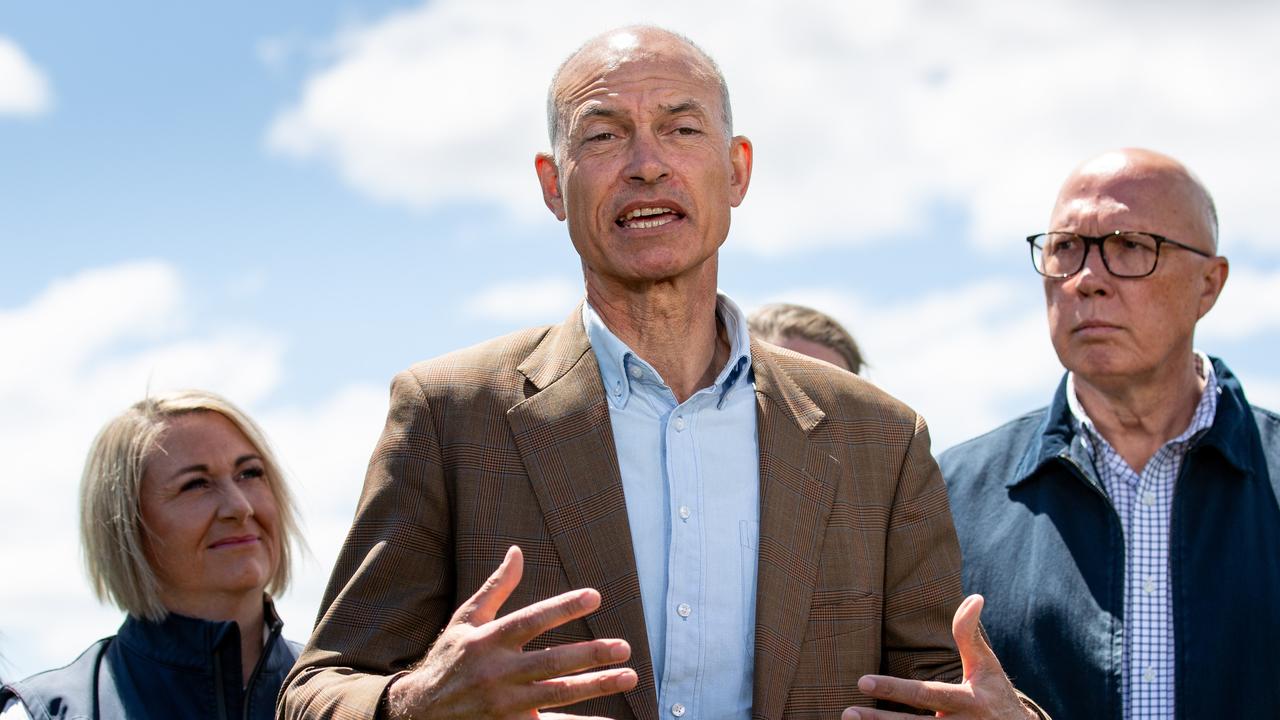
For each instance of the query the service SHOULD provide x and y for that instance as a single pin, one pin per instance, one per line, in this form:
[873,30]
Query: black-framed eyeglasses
[1125,253]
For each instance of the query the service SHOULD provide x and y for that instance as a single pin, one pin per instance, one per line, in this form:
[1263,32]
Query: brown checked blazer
[509,442]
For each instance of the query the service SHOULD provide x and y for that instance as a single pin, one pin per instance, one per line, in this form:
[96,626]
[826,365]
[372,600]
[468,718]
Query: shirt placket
[1154,670]
[1142,672]
[684,610]
[1147,497]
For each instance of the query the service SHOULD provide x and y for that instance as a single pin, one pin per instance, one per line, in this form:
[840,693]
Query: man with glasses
[1128,536]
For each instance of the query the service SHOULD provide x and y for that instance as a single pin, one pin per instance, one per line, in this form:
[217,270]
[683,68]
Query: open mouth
[647,217]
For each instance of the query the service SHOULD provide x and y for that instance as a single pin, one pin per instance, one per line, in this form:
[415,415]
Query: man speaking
[685,523]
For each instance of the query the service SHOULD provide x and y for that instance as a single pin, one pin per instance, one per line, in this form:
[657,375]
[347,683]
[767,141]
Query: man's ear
[549,179]
[740,156]
[1215,278]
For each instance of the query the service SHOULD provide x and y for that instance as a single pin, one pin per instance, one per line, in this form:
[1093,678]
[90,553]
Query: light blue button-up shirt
[690,473]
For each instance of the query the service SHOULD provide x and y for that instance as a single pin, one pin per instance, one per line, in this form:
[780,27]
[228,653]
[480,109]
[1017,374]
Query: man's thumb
[975,653]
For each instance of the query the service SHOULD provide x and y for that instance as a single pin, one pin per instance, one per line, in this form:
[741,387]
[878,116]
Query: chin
[1099,368]
[247,579]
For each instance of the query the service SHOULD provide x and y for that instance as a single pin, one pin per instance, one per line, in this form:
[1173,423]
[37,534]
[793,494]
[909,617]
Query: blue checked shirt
[690,474]
[1144,504]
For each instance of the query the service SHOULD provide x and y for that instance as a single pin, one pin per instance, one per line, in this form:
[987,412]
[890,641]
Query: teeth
[650,223]
[643,212]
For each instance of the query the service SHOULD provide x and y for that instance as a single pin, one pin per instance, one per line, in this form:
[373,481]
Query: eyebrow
[201,467]
[688,106]
[596,111]
[680,108]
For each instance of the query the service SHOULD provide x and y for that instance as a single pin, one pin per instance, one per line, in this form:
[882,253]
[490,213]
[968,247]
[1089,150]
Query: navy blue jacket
[179,668]
[1042,542]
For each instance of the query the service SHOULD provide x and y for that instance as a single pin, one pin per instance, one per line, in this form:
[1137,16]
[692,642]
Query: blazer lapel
[796,493]
[565,440]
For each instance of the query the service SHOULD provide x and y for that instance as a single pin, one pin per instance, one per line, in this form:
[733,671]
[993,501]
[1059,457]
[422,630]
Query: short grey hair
[555,117]
[113,536]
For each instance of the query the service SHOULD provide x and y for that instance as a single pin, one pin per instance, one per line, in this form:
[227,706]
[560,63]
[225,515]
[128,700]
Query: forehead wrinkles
[575,98]
[592,72]
[682,77]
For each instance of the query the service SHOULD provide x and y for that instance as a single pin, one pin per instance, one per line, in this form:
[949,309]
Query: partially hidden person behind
[187,526]
[1128,534]
[808,332]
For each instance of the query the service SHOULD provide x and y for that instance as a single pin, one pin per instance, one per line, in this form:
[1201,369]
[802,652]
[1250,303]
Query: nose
[235,503]
[1093,278]
[647,162]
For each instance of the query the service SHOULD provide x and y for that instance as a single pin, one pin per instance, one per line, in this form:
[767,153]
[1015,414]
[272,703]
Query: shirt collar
[1200,420]
[620,366]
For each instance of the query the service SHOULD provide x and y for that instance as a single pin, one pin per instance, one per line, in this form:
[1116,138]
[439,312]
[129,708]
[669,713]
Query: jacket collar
[1227,436]
[189,642]
[797,490]
[565,441]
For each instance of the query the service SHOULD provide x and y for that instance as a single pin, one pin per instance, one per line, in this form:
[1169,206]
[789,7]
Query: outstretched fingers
[923,694]
[554,662]
[521,626]
[576,688]
[984,693]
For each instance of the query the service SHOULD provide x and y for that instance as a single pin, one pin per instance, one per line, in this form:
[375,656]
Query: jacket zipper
[257,669]
[219,689]
[1124,549]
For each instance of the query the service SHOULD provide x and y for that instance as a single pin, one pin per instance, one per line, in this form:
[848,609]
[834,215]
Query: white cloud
[23,87]
[405,122]
[966,359]
[1248,307]
[1262,392]
[325,449]
[83,350]
[862,113]
[544,300]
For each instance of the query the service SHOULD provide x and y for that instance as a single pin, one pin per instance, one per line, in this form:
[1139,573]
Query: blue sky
[288,202]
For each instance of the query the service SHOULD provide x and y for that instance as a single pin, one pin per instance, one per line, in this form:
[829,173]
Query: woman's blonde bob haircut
[111,529]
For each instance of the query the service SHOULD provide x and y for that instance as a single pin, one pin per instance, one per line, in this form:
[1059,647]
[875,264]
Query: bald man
[685,523]
[1129,534]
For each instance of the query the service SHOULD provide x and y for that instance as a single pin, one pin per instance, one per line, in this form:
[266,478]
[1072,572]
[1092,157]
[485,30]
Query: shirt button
[1149,674]
[677,710]
[1149,586]
[617,388]
[685,512]
[636,371]
[679,424]
[1148,498]
[684,610]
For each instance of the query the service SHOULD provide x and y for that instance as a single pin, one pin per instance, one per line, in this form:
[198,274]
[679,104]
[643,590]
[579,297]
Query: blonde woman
[187,526]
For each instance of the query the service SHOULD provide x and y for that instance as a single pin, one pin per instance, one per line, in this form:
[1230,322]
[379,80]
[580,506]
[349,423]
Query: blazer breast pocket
[841,612]
[842,640]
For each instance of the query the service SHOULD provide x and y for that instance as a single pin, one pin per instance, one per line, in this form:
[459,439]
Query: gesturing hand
[478,669]
[984,693]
